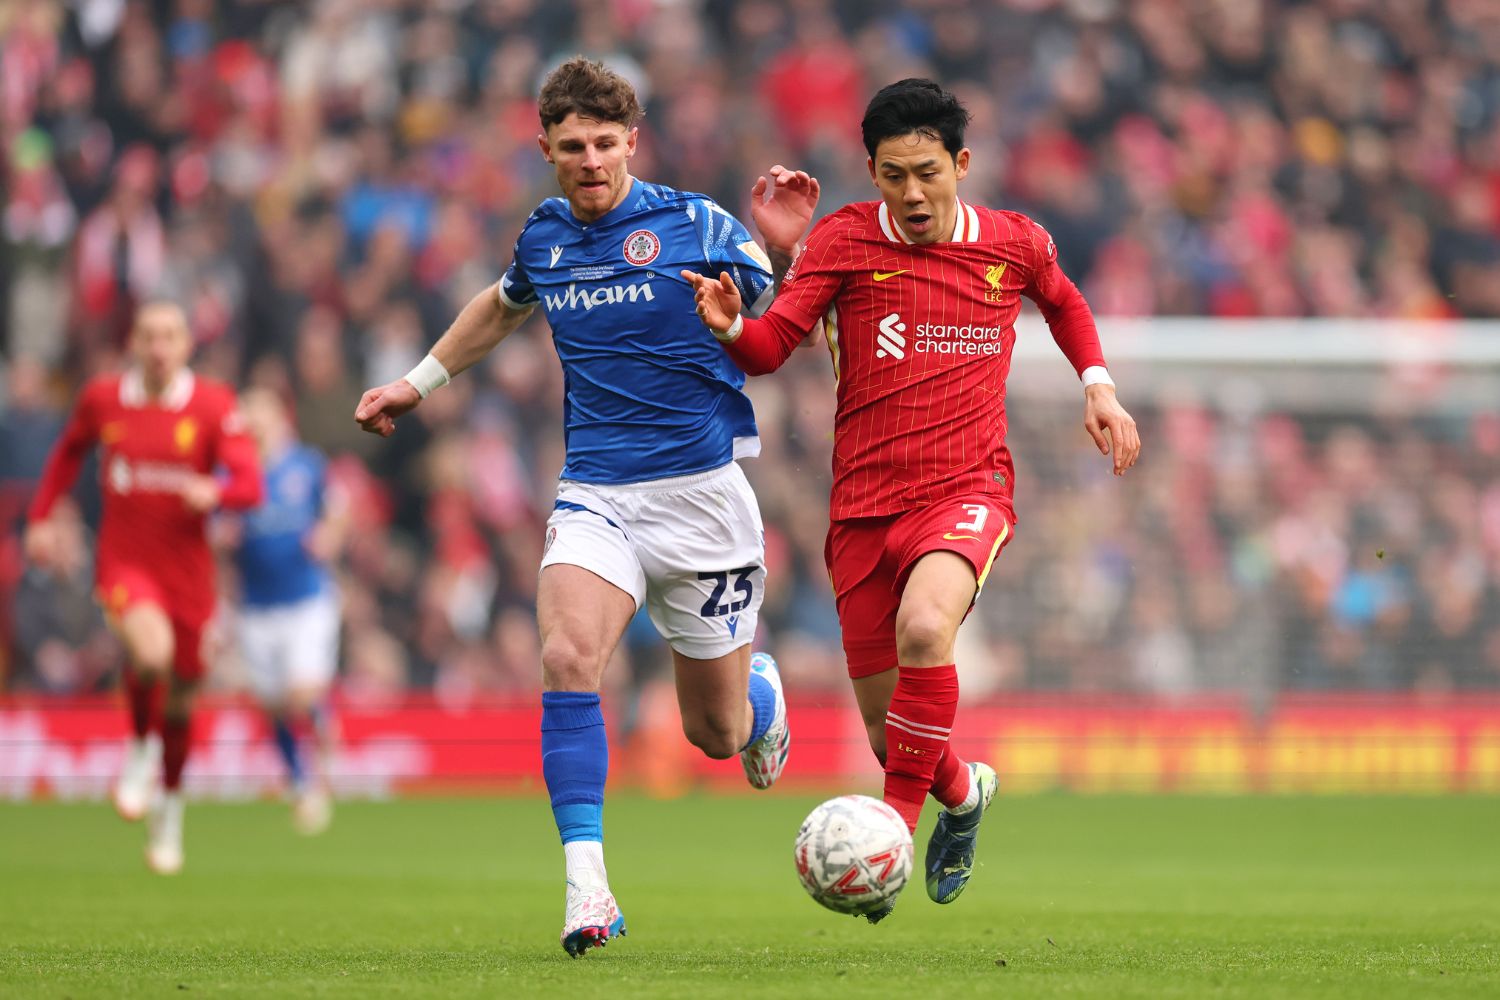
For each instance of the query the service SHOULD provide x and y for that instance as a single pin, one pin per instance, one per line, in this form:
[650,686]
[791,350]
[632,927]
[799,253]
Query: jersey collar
[176,396]
[627,205]
[965,225]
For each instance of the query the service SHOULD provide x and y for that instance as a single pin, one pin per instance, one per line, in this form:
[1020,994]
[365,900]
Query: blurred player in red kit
[172,451]
[917,296]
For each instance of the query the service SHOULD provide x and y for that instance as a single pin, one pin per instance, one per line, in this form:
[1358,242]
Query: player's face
[918,180]
[161,343]
[593,162]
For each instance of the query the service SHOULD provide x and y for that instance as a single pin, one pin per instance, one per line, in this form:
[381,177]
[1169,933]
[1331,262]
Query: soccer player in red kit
[172,451]
[917,296]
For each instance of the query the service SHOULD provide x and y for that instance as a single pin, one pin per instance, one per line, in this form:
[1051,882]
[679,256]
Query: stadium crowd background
[324,184]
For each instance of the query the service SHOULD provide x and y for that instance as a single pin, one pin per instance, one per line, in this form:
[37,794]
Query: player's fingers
[758,189]
[691,277]
[366,404]
[726,283]
[813,186]
[1097,433]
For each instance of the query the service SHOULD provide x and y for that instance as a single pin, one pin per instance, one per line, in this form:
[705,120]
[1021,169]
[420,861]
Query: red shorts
[122,586]
[869,559]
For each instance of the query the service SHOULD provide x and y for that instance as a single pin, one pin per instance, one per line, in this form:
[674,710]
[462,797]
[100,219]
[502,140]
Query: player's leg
[950,548]
[164,853]
[702,547]
[266,638]
[581,617]
[137,617]
[310,663]
[924,701]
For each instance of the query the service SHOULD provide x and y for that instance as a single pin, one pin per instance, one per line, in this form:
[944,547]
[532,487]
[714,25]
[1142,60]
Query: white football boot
[312,810]
[591,919]
[138,780]
[765,759]
[164,834]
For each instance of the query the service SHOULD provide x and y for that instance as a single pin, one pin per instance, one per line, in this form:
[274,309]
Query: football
[853,854]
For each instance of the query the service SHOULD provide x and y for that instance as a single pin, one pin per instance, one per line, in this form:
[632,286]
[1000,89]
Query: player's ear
[961,163]
[541,140]
[630,137]
[870,163]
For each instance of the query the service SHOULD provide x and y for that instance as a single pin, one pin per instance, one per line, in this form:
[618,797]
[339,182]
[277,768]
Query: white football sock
[585,862]
[971,800]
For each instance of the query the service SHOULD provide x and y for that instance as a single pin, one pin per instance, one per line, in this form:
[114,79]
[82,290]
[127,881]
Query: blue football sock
[575,762]
[762,705]
[286,743]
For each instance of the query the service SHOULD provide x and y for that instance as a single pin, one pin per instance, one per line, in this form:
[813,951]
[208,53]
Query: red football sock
[950,783]
[176,737]
[144,696]
[917,726]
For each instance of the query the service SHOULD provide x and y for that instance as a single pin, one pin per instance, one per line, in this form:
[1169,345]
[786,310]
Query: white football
[853,853]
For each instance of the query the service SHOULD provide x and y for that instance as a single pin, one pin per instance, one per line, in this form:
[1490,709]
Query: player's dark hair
[919,106]
[592,90]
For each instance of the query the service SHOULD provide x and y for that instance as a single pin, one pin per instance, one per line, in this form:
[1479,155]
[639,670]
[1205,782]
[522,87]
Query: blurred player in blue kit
[652,509]
[289,615]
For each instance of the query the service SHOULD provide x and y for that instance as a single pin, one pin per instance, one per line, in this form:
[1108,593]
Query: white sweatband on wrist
[732,334]
[428,375]
[1096,375]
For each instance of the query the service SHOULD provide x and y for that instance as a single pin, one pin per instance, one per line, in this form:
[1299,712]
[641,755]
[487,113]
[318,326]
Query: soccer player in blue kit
[289,609]
[651,508]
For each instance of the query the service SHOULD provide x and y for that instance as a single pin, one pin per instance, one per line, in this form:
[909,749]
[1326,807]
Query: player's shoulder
[1002,225]
[212,391]
[103,388]
[860,218]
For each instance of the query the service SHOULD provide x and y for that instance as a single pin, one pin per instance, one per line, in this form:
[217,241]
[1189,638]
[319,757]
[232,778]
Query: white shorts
[290,645]
[690,548]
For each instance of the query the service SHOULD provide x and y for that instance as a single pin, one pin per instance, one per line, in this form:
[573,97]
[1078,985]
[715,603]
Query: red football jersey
[150,449]
[921,338]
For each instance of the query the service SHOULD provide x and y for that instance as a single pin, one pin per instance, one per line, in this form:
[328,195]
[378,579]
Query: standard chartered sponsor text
[945,338]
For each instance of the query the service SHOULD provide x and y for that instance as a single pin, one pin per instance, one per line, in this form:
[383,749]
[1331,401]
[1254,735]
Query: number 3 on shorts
[742,585]
[979,513]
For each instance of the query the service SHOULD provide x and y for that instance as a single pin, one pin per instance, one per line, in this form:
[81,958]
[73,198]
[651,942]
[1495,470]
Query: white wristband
[732,334]
[428,375]
[1096,375]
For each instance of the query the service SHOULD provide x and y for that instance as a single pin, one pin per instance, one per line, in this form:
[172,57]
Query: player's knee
[147,634]
[567,666]
[924,636]
[717,736]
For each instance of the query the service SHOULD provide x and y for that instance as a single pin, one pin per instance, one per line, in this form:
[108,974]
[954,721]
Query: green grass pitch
[1075,896]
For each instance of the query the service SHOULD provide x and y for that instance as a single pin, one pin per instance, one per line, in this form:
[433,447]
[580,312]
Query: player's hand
[1110,426]
[41,545]
[378,408]
[201,494]
[717,302]
[783,206]
[322,542]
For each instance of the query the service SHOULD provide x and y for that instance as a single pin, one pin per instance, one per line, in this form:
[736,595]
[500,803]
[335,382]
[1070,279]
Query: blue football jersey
[649,391]
[275,567]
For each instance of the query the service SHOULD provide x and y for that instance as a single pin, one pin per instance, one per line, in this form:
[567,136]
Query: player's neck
[949,229]
[625,190]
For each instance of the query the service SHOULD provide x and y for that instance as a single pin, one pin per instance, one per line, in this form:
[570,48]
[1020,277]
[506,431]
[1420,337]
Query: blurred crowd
[324,184]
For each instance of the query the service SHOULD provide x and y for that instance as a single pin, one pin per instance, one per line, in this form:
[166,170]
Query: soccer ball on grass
[853,854]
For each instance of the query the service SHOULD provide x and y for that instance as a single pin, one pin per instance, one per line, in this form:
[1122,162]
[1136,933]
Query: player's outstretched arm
[1111,427]
[482,324]
[757,346]
[40,542]
[783,207]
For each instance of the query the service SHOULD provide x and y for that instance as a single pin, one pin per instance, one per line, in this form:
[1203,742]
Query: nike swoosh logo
[882,275]
[953,538]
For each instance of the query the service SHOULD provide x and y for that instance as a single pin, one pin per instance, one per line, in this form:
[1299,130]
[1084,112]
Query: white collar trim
[965,225]
[175,397]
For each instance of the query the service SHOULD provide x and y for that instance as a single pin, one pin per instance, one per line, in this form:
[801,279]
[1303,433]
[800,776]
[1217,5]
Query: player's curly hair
[915,105]
[591,89]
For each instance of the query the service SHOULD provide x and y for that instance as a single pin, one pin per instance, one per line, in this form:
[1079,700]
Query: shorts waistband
[659,485]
